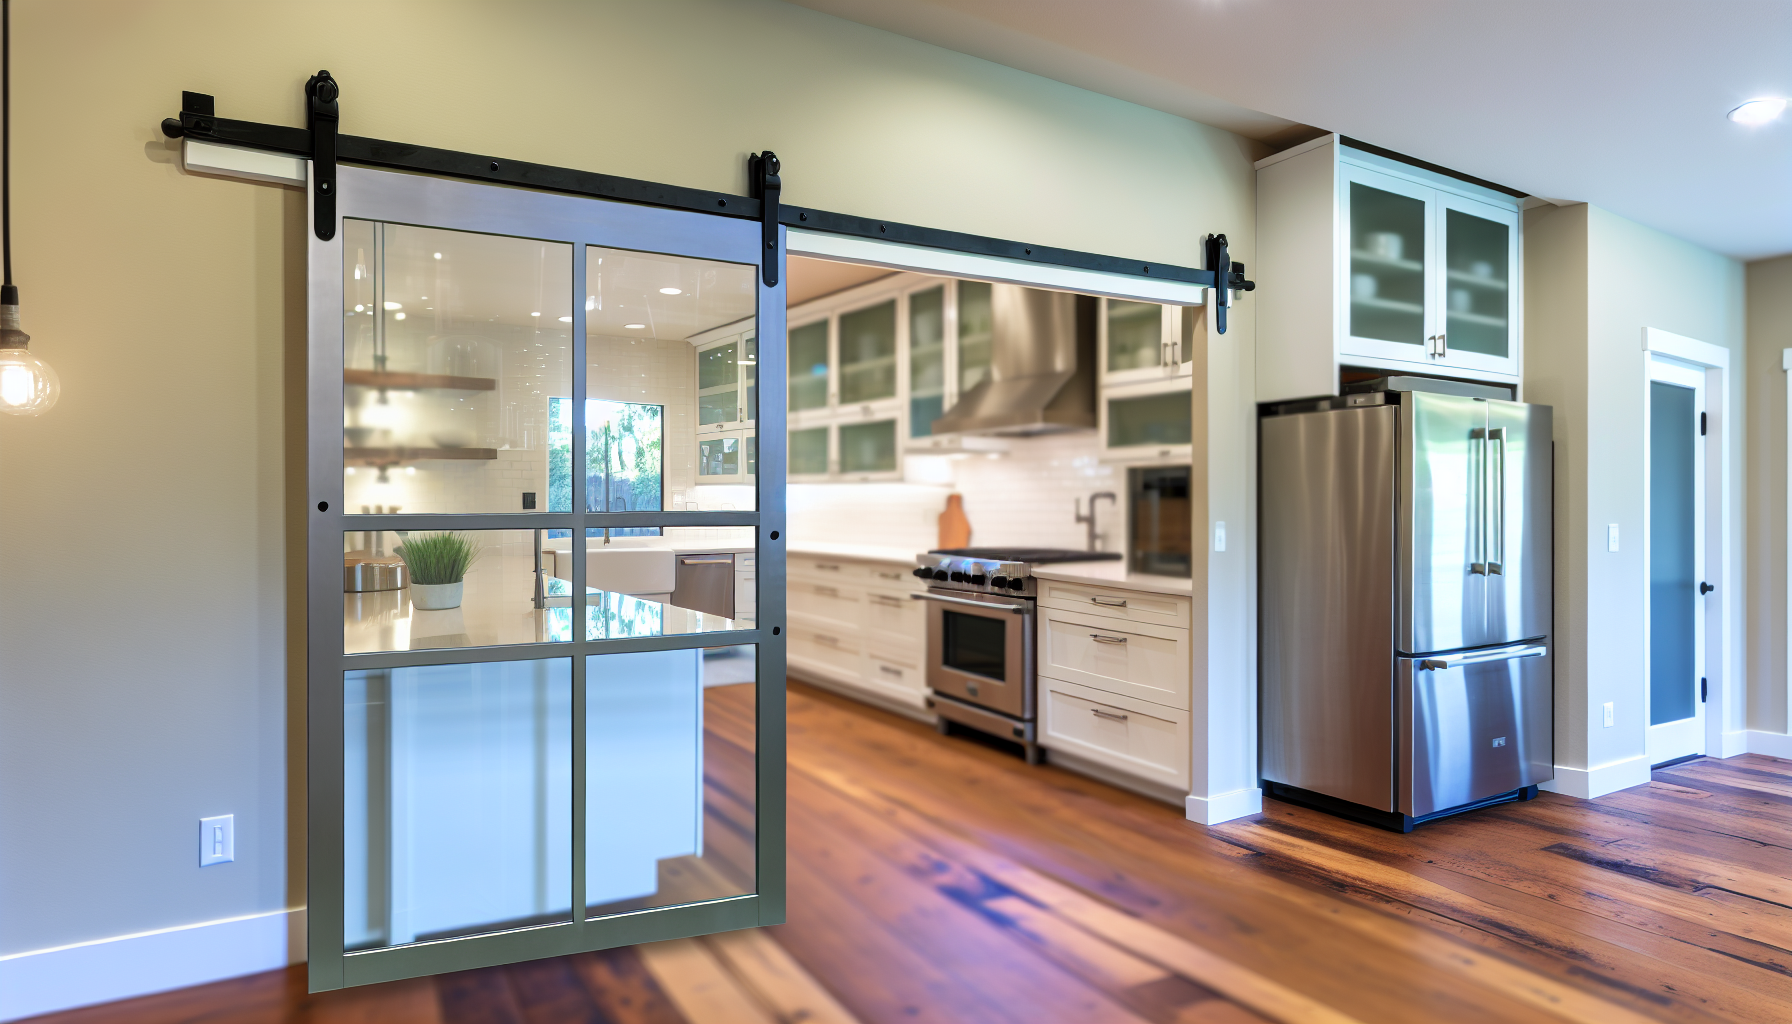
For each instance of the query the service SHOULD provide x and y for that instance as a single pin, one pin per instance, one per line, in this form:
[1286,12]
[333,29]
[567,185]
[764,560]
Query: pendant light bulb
[28,386]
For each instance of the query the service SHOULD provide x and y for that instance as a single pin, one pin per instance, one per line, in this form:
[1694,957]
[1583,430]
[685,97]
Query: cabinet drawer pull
[827,568]
[831,641]
[726,560]
[1108,715]
[827,591]
[889,602]
[888,575]
[889,669]
[1102,638]
[1109,602]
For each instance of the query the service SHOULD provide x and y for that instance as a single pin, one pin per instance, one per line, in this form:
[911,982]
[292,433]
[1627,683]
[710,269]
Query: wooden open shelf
[416,381]
[389,456]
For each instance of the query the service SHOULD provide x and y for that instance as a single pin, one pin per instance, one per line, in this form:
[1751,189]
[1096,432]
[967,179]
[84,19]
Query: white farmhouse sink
[641,571]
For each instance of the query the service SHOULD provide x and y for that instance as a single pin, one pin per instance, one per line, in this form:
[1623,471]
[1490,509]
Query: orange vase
[955,529]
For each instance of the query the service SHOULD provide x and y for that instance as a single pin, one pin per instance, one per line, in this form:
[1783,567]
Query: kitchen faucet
[1090,518]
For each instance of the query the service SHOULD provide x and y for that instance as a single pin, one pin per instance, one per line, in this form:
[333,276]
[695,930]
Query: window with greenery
[624,459]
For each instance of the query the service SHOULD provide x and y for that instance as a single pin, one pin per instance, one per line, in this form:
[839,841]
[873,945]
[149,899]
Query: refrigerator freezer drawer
[1474,725]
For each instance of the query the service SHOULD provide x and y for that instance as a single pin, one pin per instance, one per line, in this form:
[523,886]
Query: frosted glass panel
[926,359]
[868,447]
[868,353]
[809,366]
[976,327]
[808,451]
[1387,265]
[1135,335]
[453,342]
[1152,419]
[457,800]
[1673,587]
[670,785]
[1475,267]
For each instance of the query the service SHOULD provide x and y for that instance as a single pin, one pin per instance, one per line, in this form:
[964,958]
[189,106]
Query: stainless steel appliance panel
[1474,725]
[705,583]
[1443,602]
[1520,466]
[980,650]
[1327,563]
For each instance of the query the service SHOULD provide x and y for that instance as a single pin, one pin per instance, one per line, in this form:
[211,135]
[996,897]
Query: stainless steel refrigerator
[1405,590]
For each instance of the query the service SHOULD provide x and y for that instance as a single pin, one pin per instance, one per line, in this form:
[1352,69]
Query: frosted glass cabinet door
[1387,257]
[1479,300]
[926,359]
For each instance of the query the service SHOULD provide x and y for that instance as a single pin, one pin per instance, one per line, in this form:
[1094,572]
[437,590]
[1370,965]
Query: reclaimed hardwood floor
[937,879]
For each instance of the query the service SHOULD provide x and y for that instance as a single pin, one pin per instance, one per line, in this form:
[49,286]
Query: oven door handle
[1018,609]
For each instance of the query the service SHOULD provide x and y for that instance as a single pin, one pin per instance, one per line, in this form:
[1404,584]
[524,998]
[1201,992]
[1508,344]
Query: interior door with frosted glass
[520,744]
[1676,562]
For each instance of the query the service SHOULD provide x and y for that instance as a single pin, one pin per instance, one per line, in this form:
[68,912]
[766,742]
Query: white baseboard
[1773,744]
[104,970]
[1211,810]
[1588,783]
[1070,762]
[1734,743]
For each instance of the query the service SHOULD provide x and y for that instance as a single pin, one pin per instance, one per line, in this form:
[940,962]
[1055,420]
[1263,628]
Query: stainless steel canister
[364,575]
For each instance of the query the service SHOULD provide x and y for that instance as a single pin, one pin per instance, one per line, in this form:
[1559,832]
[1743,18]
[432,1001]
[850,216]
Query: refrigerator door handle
[1477,502]
[1495,554]
[1511,652]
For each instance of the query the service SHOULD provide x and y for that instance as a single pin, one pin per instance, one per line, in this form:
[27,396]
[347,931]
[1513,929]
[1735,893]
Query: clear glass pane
[670,778]
[868,353]
[413,590]
[926,359]
[643,309]
[1387,265]
[868,447]
[457,800]
[1135,335]
[750,364]
[452,344]
[1476,274]
[1152,419]
[718,457]
[975,331]
[1673,582]
[809,366]
[624,457]
[752,454]
[808,451]
[641,587]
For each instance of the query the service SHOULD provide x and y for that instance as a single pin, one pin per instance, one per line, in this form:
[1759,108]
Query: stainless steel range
[981,616]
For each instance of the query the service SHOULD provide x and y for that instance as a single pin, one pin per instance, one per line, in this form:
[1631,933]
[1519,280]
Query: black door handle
[1705,588]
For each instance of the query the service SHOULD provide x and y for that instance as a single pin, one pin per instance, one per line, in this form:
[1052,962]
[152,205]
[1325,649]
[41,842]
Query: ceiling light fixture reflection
[394,305]
[360,309]
[634,327]
[399,317]
[590,303]
[1758,111]
[566,319]
[671,291]
[438,255]
[537,313]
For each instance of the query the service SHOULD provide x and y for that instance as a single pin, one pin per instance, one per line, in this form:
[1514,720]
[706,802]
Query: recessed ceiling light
[1758,111]
[671,291]
[438,255]
[360,309]
[535,314]
[394,305]
[633,327]
[399,317]
[566,319]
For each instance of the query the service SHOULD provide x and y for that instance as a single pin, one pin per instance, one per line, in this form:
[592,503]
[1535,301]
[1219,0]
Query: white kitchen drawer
[835,648]
[886,669]
[894,577]
[1132,736]
[837,602]
[812,567]
[895,617]
[1131,605]
[1136,659]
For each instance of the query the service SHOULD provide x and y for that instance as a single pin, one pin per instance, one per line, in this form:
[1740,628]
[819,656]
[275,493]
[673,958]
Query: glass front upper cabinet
[811,367]
[1427,274]
[1144,341]
[926,359]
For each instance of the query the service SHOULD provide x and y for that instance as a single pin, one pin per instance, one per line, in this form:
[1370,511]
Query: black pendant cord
[6,144]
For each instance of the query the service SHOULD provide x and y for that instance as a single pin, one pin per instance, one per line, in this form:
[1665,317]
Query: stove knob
[979,579]
[957,577]
[999,582]
[1017,583]
[939,574]
[924,573]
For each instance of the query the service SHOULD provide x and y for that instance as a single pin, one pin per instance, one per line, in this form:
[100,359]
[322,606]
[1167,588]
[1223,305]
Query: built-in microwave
[1160,525]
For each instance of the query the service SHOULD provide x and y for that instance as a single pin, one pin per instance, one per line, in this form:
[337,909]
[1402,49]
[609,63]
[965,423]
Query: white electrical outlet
[217,840]
[1219,535]
[1611,537]
[1608,707]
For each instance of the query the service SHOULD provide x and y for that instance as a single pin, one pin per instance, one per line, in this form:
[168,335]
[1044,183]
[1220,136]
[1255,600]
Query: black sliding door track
[196,121]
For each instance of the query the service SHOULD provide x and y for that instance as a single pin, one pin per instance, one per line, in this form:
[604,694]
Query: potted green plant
[438,564]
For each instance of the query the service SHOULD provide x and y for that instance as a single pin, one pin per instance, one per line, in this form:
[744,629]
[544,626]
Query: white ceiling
[1619,103]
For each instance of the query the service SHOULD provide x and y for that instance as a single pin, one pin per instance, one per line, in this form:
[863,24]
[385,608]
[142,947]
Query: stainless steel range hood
[1042,367]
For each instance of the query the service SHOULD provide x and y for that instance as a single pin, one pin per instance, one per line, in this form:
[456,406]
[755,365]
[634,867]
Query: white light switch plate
[1611,537]
[1219,535]
[217,839]
[1608,714]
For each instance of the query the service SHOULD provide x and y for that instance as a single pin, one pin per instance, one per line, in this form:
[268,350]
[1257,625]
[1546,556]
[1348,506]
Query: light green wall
[146,545]
[1593,282]
[1769,334]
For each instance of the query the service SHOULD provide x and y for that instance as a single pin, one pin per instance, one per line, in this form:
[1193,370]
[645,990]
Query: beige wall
[1769,334]
[1594,281]
[147,552]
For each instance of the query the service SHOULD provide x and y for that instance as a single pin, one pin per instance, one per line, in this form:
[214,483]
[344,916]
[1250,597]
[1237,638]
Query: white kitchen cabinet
[854,628]
[1369,262]
[1145,408]
[1145,740]
[1144,342]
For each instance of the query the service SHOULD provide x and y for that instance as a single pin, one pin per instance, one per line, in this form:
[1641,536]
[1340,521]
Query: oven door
[980,650]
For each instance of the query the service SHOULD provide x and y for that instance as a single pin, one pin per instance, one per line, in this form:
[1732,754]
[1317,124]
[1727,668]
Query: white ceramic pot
[434,597]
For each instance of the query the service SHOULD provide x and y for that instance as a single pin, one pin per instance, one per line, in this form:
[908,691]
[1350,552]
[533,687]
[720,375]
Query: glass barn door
[520,746]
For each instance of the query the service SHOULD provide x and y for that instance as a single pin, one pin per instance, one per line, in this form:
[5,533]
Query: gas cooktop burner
[1035,556]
